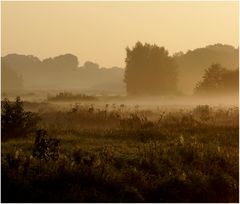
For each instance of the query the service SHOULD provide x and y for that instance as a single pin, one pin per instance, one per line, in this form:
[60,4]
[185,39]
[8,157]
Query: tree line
[63,72]
[149,70]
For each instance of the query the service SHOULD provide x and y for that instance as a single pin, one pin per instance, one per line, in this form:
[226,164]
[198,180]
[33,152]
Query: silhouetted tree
[218,80]
[193,62]
[150,70]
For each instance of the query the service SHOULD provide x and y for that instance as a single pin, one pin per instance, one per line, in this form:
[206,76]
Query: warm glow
[100,31]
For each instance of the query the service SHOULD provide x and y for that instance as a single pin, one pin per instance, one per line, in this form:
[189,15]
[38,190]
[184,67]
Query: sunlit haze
[100,31]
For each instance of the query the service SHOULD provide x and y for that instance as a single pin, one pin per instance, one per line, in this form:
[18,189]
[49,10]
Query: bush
[45,148]
[68,96]
[15,121]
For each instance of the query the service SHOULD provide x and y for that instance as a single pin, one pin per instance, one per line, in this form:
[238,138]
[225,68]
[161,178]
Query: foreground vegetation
[119,154]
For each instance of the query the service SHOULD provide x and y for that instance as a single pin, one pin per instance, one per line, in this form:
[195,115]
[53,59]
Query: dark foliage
[45,148]
[15,122]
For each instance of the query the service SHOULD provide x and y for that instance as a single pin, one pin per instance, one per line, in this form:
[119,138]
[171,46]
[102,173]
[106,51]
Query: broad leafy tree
[150,70]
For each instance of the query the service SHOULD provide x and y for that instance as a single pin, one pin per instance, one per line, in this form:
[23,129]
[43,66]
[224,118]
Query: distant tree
[178,54]
[91,66]
[218,80]
[10,79]
[193,62]
[231,81]
[62,63]
[150,70]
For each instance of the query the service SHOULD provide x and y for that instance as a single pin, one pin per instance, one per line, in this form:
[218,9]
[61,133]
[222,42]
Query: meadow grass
[117,154]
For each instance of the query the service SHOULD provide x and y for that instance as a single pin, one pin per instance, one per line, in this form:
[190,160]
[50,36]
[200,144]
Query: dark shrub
[45,148]
[15,121]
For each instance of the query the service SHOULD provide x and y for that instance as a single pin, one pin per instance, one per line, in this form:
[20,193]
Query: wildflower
[17,153]
[122,105]
[181,139]
[227,155]
[97,162]
[183,176]
[134,169]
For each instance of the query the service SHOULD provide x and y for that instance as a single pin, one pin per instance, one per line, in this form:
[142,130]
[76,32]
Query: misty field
[86,152]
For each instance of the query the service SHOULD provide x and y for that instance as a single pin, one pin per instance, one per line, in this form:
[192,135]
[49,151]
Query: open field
[126,153]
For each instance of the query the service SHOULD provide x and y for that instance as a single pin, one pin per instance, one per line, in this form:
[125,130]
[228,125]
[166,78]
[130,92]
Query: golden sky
[100,31]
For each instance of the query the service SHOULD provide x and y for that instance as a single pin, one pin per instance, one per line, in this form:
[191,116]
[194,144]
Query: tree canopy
[150,70]
[218,80]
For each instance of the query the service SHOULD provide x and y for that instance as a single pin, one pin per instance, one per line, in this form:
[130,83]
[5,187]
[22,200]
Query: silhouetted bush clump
[45,148]
[15,121]
[68,96]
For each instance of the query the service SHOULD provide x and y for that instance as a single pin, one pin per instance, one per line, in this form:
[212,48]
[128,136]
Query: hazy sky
[100,31]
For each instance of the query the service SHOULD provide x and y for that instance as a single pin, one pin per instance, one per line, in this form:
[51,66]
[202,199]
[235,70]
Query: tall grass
[117,154]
